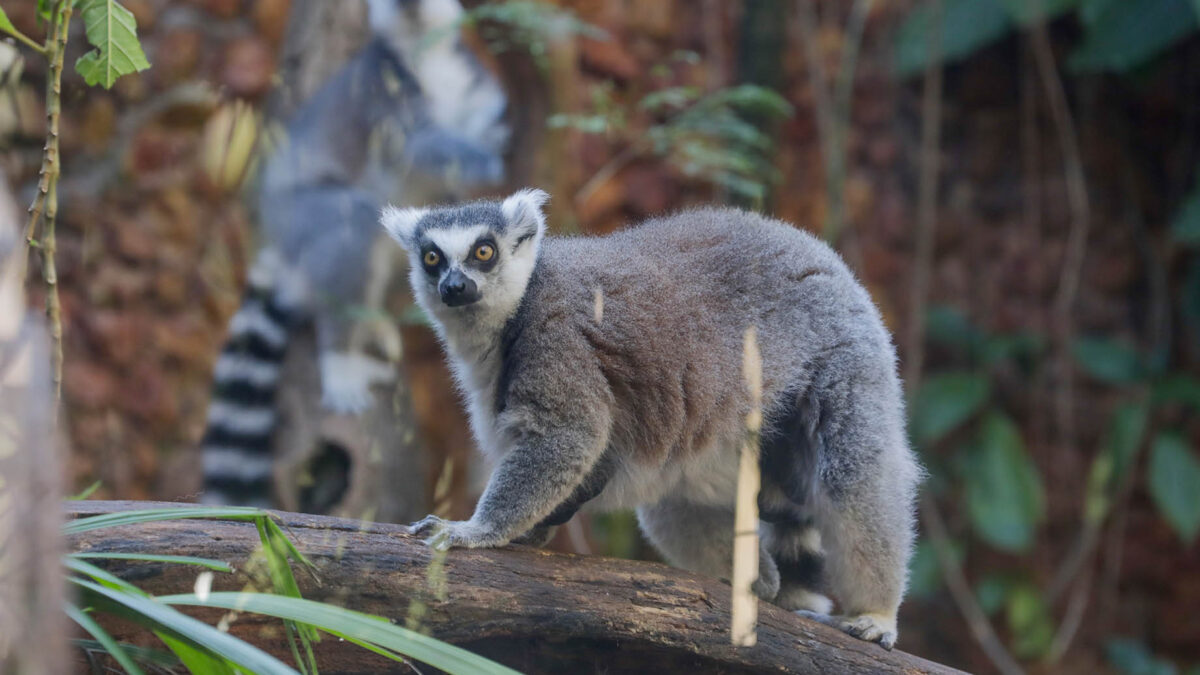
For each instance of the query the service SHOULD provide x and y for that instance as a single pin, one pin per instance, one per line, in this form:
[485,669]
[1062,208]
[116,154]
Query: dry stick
[1077,201]
[952,574]
[744,605]
[51,167]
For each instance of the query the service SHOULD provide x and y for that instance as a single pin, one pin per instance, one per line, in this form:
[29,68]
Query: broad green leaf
[110,645]
[945,401]
[1185,227]
[5,23]
[1178,389]
[1115,458]
[1028,11]
[1109,360]
[211,564]
[349,625]
[157,616]
[950,326]
[1131,657]
[1124,35]
[1174,482]
[1005,500]
[1029,621]
[112,31]
[925,570]
[967,26]
[992,592]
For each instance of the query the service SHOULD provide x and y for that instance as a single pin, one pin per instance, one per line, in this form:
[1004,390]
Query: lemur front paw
[346,381]
[447,534]
[869,627]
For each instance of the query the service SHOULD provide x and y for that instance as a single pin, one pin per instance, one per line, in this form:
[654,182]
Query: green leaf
[211,564]
[197,661]
[925,570]
[967,26]
[112,30]
[110,645]
[950,326]
[1123,35]
[87,492]
[1185,227]
[6,24]
[1189,296]
[350,625]
[152,515]
[154,657]
[1026,12]
[1005,500]
[1178,389]
[1029,621]
[945,401]
[151,613]
[1131,657]
[991,593]
[1173,480]
[1125,434]
[1109,360]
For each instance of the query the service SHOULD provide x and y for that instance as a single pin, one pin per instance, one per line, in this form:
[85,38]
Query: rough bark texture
[536,611]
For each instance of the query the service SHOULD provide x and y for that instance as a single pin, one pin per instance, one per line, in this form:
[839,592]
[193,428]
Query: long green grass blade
[211,564]
[106,641]
[154,657]
[103,520]
[102,576]
[158,616]
[351,625]
[197,661]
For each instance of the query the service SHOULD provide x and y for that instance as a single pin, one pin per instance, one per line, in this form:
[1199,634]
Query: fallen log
[533,610]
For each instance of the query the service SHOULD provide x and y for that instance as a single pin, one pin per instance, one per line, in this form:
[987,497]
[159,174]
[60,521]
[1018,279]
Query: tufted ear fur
[401,223]
[523,213]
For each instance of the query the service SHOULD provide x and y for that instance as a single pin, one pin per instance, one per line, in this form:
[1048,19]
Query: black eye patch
[484,254]
[432,259]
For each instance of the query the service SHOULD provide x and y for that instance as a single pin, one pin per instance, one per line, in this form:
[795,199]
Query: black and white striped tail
[236,447]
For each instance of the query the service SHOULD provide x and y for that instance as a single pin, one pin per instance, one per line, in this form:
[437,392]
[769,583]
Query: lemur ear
[401,223]
[523,212]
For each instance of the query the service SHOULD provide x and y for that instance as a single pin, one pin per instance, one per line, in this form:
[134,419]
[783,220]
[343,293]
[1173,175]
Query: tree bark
[536,611]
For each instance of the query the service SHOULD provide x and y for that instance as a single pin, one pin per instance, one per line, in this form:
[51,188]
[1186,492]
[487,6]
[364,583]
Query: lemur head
[471,262]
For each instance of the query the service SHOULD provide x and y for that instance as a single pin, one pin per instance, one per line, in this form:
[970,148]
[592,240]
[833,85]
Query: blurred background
[1014,181]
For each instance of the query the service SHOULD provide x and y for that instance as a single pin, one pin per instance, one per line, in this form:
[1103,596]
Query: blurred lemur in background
[413,117]
[608,371]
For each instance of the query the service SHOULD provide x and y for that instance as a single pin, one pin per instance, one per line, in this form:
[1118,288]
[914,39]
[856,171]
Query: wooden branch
[536,611]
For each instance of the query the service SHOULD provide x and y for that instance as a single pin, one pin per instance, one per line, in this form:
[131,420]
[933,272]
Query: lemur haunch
[414,116]
[637,400]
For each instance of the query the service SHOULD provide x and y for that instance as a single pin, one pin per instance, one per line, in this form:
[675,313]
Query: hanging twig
[935,527]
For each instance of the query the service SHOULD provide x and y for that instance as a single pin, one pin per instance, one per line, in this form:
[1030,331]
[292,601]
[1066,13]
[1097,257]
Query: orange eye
[431,258]
[484,252]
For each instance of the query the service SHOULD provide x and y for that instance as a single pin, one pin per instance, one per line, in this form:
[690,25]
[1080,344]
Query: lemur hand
[346,381]
[446,534]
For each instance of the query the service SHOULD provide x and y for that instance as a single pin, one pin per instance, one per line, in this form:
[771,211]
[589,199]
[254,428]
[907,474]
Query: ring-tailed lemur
[608,371]
[413,116]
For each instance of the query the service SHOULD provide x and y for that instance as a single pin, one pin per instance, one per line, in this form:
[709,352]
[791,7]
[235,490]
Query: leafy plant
[1117,35]
[205,649]
[112,32]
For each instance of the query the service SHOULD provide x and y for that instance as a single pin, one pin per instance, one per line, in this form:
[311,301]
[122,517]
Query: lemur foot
[766,586]
[869,627]
[447,534]
[346,381]
[798,598]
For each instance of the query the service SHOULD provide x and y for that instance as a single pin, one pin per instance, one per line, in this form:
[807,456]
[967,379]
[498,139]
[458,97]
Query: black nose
[457,289]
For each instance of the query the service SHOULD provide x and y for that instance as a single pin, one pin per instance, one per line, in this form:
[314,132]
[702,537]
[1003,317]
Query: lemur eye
[431,258]
[484,252]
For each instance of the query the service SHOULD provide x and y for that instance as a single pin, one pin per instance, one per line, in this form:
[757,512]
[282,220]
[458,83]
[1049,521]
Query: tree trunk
[536,611]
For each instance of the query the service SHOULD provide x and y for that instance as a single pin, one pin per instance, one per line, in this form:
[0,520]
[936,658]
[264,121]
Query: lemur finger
[426,525]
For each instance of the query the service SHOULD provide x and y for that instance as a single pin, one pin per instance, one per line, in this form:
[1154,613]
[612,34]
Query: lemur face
[471,258]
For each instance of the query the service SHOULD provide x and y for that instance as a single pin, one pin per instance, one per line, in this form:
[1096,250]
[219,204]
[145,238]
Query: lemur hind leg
[868,485]
[699,538]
